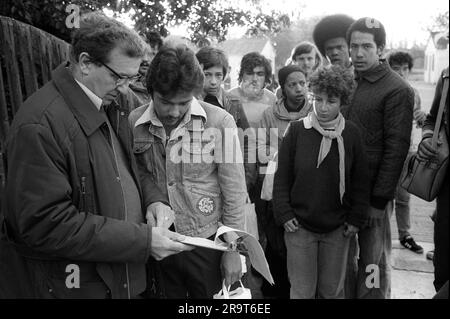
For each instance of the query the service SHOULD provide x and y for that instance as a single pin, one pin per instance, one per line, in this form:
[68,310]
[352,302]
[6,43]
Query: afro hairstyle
[330,27]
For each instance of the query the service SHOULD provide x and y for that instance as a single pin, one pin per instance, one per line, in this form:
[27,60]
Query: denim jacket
[197,167]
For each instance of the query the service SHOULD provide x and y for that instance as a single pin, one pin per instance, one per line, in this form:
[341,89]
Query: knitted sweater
[311,194]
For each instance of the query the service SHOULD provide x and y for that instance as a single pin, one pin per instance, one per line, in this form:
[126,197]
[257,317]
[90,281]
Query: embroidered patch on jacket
[206,205]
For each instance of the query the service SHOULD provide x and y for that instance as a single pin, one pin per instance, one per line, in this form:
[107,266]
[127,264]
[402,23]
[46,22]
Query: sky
[404,20]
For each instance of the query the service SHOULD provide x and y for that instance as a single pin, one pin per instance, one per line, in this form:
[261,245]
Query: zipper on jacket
[83,193]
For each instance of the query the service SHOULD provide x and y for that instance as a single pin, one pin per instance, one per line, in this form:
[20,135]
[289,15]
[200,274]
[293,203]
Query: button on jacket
[197,167]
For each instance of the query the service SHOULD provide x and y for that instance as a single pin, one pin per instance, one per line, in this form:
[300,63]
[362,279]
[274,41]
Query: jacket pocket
[204,206]
[53,280]
[144,156]
[198,159]
[58,289]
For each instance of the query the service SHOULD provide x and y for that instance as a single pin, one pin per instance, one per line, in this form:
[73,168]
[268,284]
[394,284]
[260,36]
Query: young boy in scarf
[292,106]
[321,190]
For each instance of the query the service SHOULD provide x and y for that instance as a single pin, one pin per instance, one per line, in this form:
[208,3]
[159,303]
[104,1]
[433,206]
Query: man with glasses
[75,212]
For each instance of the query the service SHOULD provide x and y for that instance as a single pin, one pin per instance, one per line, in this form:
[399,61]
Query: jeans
[351,274]
[402,206]
[402,212]
[316,263]
[374,266]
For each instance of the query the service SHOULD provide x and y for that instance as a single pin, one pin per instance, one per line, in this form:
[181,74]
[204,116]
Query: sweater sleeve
[284,176]
[359,183]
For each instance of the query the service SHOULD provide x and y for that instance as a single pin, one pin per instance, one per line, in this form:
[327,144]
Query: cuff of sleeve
[378,202]
[284,218]
[357,219]
[155,200]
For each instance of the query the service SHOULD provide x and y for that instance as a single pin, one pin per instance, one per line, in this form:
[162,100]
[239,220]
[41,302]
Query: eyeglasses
[121,79]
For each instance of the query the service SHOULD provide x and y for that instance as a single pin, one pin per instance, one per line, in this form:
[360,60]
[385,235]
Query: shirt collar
[149,115]
[374,74]
[91,95]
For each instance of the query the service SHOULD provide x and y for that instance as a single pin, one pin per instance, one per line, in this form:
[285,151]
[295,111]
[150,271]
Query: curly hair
[98,35]
[333,80]
[252,60]
[173,70]
[210,57]
[400,57]
[331,27]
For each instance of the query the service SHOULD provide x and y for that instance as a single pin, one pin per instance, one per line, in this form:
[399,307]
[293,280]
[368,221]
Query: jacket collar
[149,115]
[94,98]
[81,105]
[374,74]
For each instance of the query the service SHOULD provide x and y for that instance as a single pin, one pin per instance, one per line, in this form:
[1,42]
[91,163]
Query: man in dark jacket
[382,108]
[74,218]
[426,151]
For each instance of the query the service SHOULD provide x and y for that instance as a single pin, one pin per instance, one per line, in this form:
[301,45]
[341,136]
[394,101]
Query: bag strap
[437,126]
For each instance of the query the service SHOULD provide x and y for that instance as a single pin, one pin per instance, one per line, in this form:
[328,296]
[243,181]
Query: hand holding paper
[245,244]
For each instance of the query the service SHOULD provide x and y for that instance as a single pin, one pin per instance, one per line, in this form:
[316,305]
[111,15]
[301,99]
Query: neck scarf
[331,130]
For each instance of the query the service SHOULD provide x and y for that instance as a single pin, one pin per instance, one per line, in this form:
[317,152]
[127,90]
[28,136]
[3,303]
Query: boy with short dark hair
[402,63]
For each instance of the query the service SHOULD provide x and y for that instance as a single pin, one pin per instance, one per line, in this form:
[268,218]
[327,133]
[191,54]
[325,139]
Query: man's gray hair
[98,35]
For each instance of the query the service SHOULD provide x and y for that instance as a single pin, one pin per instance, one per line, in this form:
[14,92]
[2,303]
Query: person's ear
[380,50]
[85,63]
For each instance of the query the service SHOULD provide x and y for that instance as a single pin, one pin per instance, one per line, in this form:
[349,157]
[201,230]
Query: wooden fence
[27,57]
